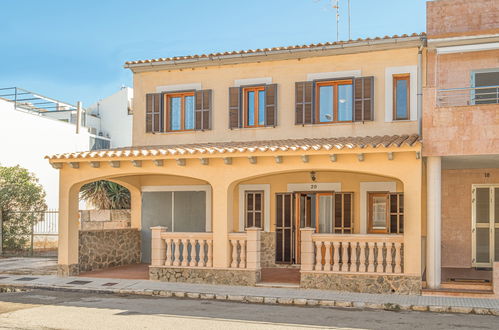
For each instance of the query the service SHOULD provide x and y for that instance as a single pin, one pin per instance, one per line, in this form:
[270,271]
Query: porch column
[412,222]
[433,231]
[136,208]
[222,223]
[68,231]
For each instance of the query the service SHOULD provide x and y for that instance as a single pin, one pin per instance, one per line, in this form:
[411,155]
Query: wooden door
[285,251]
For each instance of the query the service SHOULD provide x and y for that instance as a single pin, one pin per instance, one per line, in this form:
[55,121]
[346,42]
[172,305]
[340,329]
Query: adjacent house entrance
[485,225]
[326,211]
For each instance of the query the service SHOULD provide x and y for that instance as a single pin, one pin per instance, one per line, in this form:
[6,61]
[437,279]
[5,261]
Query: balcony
[467,96]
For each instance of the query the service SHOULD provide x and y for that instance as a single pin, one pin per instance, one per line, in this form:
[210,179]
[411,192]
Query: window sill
[178,132]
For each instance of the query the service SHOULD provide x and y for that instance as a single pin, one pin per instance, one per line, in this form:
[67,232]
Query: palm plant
[106,195]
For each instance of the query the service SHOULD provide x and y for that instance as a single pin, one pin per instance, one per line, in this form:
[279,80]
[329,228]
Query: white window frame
[193,188]
[266,204]
[492,225]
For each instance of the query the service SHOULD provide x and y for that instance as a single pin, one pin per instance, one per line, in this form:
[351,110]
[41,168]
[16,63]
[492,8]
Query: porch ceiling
[223,148]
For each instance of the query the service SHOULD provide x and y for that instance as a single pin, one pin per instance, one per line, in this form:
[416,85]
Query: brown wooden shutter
[271,105]
[363,99]
[153,112]
[235,107]
[304,108]
[203,109]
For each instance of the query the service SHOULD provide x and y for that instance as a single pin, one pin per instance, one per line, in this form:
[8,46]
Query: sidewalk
[285,296]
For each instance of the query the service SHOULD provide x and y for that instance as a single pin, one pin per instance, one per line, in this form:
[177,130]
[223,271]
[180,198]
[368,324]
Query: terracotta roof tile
[248,146]
[254,51]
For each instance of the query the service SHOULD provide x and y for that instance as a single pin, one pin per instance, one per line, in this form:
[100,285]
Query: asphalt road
[41,309]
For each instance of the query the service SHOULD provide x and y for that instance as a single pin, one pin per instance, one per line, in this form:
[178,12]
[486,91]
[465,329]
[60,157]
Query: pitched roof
[249,146]
[316,46]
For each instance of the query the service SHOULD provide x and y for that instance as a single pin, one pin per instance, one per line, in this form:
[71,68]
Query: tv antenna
[336,5]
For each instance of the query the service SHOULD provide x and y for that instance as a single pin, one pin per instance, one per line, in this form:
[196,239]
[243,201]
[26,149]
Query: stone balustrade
[181,249]
[351,253]
[195,250]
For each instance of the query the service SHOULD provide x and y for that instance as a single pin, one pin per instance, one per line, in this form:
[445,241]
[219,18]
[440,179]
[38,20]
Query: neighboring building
[25,115]
[279,150]
[461,140]
[115,113]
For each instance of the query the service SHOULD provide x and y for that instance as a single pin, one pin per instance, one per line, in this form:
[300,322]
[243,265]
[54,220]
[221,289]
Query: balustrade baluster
[201,262]
[242,263]
[389,258]
[379,260]
[169,255]
[370,265]
[336,256]
[398,258]
[185,252]
[318,255]
[209,262]
[353,257]
[344,256]
[362,257]
[327,257]
[176,260]
[233,264]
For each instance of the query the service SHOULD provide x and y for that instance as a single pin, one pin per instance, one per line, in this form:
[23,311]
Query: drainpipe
[78,117]
[420,90]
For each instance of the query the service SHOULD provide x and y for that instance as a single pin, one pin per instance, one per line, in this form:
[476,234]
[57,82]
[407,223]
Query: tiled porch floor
[129,272]
[465,275]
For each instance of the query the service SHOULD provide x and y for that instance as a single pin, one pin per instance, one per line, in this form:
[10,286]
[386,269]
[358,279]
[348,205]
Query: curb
[302,302]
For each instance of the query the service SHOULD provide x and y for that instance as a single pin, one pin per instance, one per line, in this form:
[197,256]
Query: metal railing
[467,96]
[49,225]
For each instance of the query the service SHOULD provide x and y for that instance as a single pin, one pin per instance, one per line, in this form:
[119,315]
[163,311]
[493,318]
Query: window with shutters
[254,106]
[386,213]
[334,212]
[253,209]
[180,111]
[334,101]
[401,102]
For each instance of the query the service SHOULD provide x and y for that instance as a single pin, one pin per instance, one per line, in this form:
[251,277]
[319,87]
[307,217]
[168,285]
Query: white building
[33,126]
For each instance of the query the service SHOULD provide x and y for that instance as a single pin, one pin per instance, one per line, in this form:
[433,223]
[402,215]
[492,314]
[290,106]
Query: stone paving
[19,265]
[287,296]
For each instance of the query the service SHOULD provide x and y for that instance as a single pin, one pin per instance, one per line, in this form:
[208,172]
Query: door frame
[492,225]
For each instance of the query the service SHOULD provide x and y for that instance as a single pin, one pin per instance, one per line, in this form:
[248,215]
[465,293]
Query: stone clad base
[362,283]
[205,275]
[99,249]
[68,270]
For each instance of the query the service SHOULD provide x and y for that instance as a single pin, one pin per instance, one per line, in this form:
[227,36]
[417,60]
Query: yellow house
[296,161]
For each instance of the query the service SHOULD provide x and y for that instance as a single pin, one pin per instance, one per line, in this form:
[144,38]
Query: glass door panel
[483,245]
[482,205]
[325,213]
[485,225]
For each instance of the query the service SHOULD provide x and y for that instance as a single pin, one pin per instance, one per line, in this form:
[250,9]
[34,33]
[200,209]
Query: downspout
[420,87]
[78,117]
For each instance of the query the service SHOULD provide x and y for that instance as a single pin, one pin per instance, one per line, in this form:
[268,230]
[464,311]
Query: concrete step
[483,286]
[278,285]
[448,292]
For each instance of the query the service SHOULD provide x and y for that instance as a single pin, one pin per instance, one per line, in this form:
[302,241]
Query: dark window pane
[393,203]
[258,219]
[347,217]
[249,219]
[249,201]
[337,211]
[279,210]
[258,201]
[393,224]
[401,203]
[279,250]
[287,210]
[401,224]
[287,245]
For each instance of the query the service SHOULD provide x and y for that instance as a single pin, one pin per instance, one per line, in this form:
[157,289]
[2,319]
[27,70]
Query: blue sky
[75,49]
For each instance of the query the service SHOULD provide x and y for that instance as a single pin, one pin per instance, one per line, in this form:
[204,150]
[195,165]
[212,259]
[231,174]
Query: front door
[300,210]
[485,225]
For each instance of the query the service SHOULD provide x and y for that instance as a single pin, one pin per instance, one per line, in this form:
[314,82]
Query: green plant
[106,195]
[22,203]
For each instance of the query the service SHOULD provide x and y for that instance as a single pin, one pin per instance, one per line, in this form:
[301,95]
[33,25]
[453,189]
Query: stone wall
[363,283]
[100,249]
[267,256]
[205,275]
[104,219]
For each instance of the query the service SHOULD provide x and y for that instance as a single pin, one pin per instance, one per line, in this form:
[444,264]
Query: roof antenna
[337,7]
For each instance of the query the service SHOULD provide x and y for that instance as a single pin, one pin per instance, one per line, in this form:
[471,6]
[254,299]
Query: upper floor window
[180,111]
[334,101]
[401,99]
[486,86]
[254,106]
